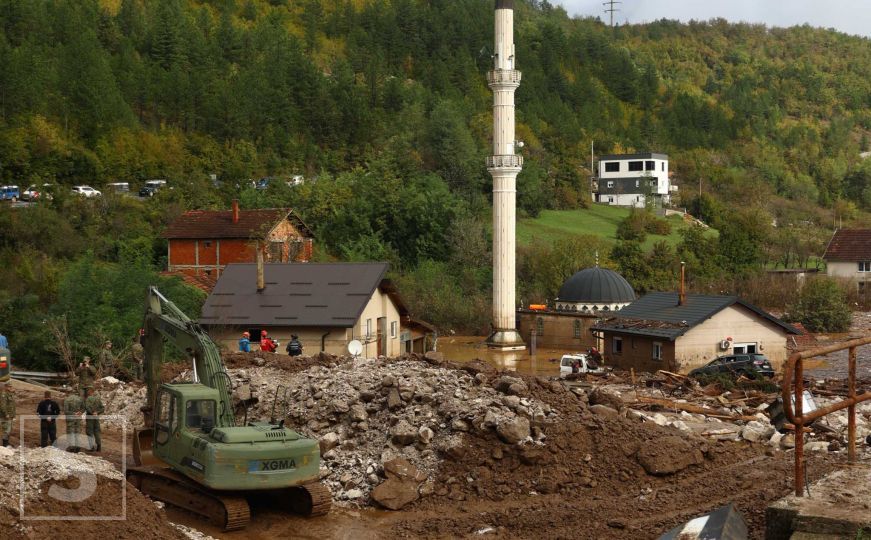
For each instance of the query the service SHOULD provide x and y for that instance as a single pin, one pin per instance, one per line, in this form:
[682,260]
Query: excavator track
[228,512]
[312,499]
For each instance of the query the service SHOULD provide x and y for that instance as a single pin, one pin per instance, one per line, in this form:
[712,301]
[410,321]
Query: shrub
[655,225]
[821,307]
[633,227]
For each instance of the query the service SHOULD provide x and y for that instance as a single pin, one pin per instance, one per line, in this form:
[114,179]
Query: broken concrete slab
[839,504]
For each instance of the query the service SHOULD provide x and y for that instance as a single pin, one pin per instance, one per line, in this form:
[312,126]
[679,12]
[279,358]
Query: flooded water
[469,348]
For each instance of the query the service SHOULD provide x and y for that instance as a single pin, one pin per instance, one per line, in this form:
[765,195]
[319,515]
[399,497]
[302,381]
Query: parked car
[750,365]
[86,191]
[9,193]
[151,187]
[31,193]
[584,361]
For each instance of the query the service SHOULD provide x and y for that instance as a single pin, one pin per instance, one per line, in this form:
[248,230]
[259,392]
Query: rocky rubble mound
[124,400]
[397,420]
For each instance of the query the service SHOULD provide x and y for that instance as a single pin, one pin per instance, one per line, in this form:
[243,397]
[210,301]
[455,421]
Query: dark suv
[749,364]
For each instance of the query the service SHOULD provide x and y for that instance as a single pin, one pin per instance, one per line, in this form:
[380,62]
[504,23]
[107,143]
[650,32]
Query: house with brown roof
[848,256]
[326,304]
[203,242]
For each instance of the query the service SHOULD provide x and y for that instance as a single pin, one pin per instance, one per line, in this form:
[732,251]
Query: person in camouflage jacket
[93,408]
[73,409]
[7,412]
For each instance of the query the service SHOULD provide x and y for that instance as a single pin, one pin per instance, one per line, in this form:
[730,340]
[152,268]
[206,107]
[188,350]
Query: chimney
[261,282]
[235,211]
[681,294]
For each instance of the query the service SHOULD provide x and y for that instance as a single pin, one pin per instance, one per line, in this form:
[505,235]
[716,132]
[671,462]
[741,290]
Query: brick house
[203,242]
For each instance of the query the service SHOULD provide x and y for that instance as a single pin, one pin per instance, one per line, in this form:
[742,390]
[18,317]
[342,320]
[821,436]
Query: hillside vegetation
[385,104]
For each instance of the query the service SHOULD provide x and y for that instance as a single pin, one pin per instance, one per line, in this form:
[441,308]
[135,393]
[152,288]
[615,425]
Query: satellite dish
[355,348]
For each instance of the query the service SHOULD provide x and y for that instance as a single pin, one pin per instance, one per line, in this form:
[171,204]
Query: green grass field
[599,220]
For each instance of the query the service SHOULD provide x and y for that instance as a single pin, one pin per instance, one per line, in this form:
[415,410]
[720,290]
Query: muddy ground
[589,479]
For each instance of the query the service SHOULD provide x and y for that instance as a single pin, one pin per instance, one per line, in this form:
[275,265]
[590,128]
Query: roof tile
[849,245]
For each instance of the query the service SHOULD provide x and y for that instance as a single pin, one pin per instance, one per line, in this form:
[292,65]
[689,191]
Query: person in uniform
[294,347]
[138,353]
[7,412]
[245,342]
[106,360]
[73,409]
[93,408]
[48,411]
[87,373]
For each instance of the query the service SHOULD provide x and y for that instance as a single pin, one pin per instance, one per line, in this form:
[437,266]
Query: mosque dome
[597,289]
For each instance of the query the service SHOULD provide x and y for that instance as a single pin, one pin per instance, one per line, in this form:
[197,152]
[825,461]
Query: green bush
[655,225]
[821,307]
[633,227]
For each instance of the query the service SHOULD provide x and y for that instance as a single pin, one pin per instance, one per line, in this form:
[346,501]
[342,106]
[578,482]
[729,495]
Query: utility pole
[610,9]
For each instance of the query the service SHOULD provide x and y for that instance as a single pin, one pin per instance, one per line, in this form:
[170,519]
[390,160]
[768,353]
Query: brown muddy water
[545,362]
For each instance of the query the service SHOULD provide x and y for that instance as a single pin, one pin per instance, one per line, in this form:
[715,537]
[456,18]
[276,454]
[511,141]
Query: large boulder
[757,432]
[328,442]
[510,385]
[668,455]
[393,400]
[394,494]
[513,430]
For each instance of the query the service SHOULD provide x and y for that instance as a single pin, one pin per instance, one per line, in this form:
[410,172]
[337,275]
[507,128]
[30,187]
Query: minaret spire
[504,165]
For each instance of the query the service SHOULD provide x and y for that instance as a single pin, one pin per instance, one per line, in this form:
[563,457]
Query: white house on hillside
[629,179]
[848,256]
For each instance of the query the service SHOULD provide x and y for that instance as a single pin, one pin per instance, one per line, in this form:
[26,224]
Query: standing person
[87,373]
[267,344]
[245,342]
[73,409]
[93,408]
[48,411]
[3,342]
[294,347]
[597,358]
[106,360]
[138,354]
[7,412]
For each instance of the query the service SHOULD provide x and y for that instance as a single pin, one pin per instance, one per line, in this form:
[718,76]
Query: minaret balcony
[504,161]
[503,76]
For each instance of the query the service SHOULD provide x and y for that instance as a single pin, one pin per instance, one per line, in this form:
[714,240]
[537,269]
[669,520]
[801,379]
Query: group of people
[78,408]
[267,344]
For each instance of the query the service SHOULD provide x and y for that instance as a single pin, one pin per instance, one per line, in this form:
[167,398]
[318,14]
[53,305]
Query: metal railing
[504,160]
[793,375]
[503,76]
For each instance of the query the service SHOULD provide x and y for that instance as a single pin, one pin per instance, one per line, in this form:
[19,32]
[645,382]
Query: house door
[382,342]
[743,348]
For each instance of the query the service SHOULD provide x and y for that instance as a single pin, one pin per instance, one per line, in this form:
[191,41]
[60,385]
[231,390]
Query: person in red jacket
[266,343]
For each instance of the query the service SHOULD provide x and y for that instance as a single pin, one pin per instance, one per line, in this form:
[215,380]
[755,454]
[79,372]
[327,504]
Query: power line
[610,9]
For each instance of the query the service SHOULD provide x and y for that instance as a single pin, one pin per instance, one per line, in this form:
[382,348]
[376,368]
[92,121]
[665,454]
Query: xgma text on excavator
[192,454]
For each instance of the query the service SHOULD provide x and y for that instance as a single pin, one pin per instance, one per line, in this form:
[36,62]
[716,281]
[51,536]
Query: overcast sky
[849,16]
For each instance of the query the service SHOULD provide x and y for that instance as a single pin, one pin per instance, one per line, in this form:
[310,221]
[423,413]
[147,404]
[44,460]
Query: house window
[207,243]
[577,329]
[617,347]
[663,166]
[610,184]
[368,327]
[649,166]
[613,166]
[865,266]
[539,326]
[637,183]
[862,287]
[610,199]
[636,165]
[393,329]
[657,350]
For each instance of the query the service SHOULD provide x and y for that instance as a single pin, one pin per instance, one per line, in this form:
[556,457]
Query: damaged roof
[658,315]
[219,224]
[297,294]
[849,245]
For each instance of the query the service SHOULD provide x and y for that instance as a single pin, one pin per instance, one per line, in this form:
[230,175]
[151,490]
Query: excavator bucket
[142,444]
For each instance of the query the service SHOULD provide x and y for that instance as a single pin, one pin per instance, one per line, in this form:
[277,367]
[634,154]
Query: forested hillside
[383,107]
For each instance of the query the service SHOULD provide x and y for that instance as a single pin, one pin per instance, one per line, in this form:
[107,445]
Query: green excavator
[191,453]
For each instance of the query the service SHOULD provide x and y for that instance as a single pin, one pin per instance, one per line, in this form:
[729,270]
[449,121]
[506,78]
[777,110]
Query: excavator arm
[165,322]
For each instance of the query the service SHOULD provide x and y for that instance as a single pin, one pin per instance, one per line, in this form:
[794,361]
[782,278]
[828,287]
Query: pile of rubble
[379,419]
[53,484]
[740,414]
[122,400]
